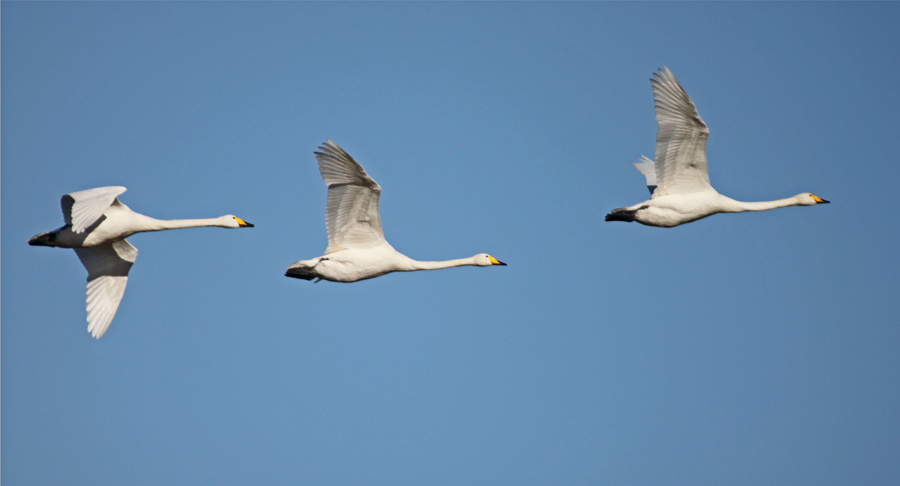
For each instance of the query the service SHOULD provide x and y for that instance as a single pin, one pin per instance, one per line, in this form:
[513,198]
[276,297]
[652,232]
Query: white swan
[96,227]
[678,180]
[357,249]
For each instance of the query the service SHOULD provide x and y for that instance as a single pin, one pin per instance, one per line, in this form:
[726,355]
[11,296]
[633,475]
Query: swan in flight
[357,249]
[678,181]
[96,227]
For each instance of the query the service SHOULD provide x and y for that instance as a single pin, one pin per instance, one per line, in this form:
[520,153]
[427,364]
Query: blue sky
[741,349]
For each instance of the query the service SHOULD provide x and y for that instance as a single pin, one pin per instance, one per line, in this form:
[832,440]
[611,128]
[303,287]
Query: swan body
[357,249]
[97,224]
[678,180]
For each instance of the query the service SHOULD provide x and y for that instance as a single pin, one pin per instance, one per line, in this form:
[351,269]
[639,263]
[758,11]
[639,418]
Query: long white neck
[413,265]
[734,206]
[167,224]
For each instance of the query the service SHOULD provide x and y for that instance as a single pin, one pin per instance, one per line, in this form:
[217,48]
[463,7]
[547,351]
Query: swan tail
[301,271]
[622,214]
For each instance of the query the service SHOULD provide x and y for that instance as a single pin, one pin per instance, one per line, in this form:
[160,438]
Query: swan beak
[242,223]
[496,262]
[819,199]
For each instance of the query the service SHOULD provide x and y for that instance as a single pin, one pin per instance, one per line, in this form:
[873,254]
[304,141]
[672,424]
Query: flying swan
[96,227]
[678,180]
[357,249]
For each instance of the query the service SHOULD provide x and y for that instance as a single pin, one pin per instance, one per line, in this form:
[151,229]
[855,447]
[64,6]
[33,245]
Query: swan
[96,227]
[678,181]
[357,249]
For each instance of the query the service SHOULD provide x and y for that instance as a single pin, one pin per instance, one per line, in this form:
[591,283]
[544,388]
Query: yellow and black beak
[242,223]
[496,262]
[819,200]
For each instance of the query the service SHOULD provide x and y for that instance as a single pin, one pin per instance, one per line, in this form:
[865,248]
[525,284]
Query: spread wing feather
[82,208]
[352,217]
[107,265]
[680,139]
[648,168]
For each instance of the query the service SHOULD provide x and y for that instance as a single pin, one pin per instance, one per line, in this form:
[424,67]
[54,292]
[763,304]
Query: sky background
[740,349]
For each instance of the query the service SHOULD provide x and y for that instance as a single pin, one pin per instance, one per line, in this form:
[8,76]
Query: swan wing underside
[107,265]
[81,209]
[648,168]
[352,217]
[680,139]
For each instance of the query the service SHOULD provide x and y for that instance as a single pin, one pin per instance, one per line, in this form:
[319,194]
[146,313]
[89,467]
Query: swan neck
[167,224]
[741,206]
[417,265]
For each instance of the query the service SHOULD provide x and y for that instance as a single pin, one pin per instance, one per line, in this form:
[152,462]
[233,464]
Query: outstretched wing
[107,265]
[351,216]
[648,168]
[680,139]
[81,209]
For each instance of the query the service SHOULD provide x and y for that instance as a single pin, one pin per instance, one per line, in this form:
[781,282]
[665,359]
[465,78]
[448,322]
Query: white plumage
[96,227]
[357,249]
[678,180]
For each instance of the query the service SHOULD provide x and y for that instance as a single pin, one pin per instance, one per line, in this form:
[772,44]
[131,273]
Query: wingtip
[662,74]
[329,148]
[97,331]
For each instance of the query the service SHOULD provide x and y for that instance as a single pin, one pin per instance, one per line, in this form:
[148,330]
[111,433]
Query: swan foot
[622,214]
[301,271]
[43,239]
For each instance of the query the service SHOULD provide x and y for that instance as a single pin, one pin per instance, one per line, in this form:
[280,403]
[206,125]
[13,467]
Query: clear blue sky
[740,349]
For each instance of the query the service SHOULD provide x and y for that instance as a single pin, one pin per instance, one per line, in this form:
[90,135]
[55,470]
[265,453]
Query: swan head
[485,260]
[232,221]
[808,199]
